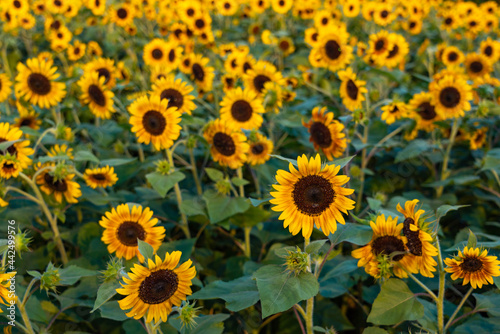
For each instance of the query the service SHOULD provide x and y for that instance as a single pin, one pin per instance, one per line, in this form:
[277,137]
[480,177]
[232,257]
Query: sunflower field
[249,166]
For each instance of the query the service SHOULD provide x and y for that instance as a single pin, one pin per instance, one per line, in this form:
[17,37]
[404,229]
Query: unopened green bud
[113,270]
[163,167]
[22,241]
[381,197]
[223,186]
[188,314]
[191,142]
[50,278]
[297,261]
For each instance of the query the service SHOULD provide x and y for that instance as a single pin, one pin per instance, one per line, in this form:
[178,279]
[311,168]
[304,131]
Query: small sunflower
[477,65]
[386,240]
[419,240]
[100,177]
[394,111]
[105,67]
[451,96]
[176,92]
[124,225]
[423,111]
[98,7]
[490,49]
[384,14]
[478,138]
[58,186]
[396,56]
[351,90]
[242,109]
[326,133]
[331,51]
[96,95]
[452,56]
[122,15]
[260,150]
[202,74]
[156,288]
[5,87]
[27,117]
[155,52]
[260,74]
[380,44]
[285,45]
[281,6]
[228,145]
[14,158]
[474,266]
[153,121]
[76,51]
[35,83]
[414,25]
[311,196]
[227,7]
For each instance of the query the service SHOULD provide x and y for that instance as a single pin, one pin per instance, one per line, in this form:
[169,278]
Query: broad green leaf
[413,150]
[293,162]
[185,246]
[112,310]
[163,183]
[34,273]
[444,209]
[72,274]
[106,291]
[428,321]
[239,182]
[489,302]
[117,162]
[6,144]
[257,202]
[280,290]
[472,241]
[394,304]
[374,204]
[214,174]
[238,294]
[221,207]
[314,246]
[145,249]
[478,324]
[331,282]
[251,217]
[85,156]
[193,207]
[342,162]
[353,233]
[205,324]
[374,330]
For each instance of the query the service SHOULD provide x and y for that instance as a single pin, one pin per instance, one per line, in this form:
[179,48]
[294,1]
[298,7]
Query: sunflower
[231,64]
[451,96]
[311,196]
[176,92]
[35,83]
[76,51]
[397,54]
[478,138]
[15,157]
[27,117]
[59,39]
[98,7]
[153,121]
[156,288]
[380,44]
[490,49]
[201,24]
[242,109]
[281,6]
[260,74]
[419,240]
[311,36]
[394,111]
[477,65]
[5,87]
[414,25]
[188,10]
[383,14]
[474,266]
[451,56]
[124,225]
[61,151]
[351,90]
[423,111]
[228,145]
[5,290]
[155,52]
[122,15]
[351,8]
[27,21]
[285,45]
[100,177]
[94,49]
[386,240]
[450,20]
[490,23]
[227,7]
[59,186]
[57,6]
[105,67]
[228,82]
[173,55]
[200,72]
[96,95]
[260,150]
[326,133]
[331,51]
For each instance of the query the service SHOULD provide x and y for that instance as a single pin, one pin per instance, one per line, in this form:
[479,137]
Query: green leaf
[472,241]
[251,217]
[293,162]
[489,302]
[206,324]
[34,273]
[56,158]
[117,162]
[6,144]
[163,183]
[394,304]
[444,209]
[257,202]
[221,207]
[314,246]
[112,310]
[214,174]
[353,233]
[193,207]
[374,204]
[239,182]
[341,162]
[85,156]
[72,274]
[239,294]
[145,249]
[374,330]
[280,290]
[185,246]
[413,150]
[428,321]
[106,291]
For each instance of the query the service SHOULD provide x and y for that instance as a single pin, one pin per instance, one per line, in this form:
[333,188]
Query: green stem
[195,172]
[178,195]
[429,291]
[444,170]
[310,301]
[440,300]
[28,196]
[26,319]
[450,321]
[239,171]
[6,62]
[362,172]
[248,251]
[27,292]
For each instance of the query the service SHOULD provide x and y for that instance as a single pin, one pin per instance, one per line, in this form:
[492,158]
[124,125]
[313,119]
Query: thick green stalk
[440,300]
[184,224]
[26,319]
[310,301]
[450,321]
[444,170]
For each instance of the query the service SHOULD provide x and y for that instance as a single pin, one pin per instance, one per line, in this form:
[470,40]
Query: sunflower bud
[355,171]
[381,197]
[187,314]
[191,142]
[483,110]
[330,330]
[119,147]
[50,278]
[113,270]
[223,186]
[163,167]
[21,242]
[384,266]
[296,261]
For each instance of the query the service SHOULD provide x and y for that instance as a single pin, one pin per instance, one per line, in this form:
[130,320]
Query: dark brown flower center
[413,24]
[448,21]
[471,264]
[281,3]
[224,144]
[320,134]
[452,56]
[122,13]
[352,90]
[227,5]
[426,111]
[380,45]
[259,81]
[488,50]
[159,286]
[59,185]
[384,14]
[190,12]
[76,51]
[39,84]
[99,177]
[97,95]
[174,97]
[314,36]
[257,148]
[27,121]
[476,67]
[17,4]
[393,52]
[198,72]
[324,21]
[128,232]
[7,166]
[414,244]
[229,82]
[394,110]
[171,55]
[157,54]
[199,23]
[104,72]
[449,97]
[332,49]
[284,45]
[313,194]
[97,3]
[387,245]
[58,3]
[154,122]
[241,110]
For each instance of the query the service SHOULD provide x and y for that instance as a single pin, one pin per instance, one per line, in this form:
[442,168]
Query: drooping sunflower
[451,96]
[96,95]
[105,67]
[61,151]
[419,240]
[202,74]
[326,133]
[477,65]
[331,51]
[474,266]
[351,90]
[35,83]
[260,74]
[100,177]
[228,145]
[260,150]
[156,288]
[452,55]
[5,87]
[311,196]
[58,186]
[242,109]
[423,111]
[394,111]
[27,117]
[124,225]
[153,121]
[386,240]
[176,92]
[14,158]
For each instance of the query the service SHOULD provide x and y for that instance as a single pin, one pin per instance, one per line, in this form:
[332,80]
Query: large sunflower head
[332,50]
[385,254]
[125,224]
[351,90]
[152,291]
[242,109]
[96,95]
[5,87]
[176,92]
[58,182]
[153,121]
[311,195]
[100,177]
[477,65]
[35,83]
[15,157]
[326,133]
[451,96]
[229,145]
[474,266]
